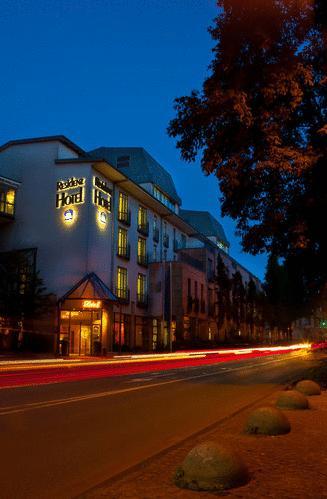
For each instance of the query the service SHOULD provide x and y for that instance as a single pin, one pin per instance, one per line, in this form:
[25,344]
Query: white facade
[67,208]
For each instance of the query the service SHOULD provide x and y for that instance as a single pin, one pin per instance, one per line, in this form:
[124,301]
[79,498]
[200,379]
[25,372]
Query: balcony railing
[142,300]
[143,228]
[166,240]
[124,217]
[124,251]
[143,260]
[156,234]
[123,294]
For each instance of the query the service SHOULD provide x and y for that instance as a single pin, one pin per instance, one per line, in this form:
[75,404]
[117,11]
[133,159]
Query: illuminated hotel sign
[101,194]
[65,198]
[91,304]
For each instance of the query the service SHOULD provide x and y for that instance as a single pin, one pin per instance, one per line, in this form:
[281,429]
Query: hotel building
[127,267]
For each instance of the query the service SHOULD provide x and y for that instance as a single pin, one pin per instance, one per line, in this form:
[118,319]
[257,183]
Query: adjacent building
[127,267]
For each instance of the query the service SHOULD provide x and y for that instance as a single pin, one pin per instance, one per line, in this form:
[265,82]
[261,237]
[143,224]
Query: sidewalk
[292,466]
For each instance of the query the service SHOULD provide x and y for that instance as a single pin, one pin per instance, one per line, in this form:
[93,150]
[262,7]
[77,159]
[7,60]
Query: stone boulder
[292,399]
[308,387]
[267,421]
[210,466]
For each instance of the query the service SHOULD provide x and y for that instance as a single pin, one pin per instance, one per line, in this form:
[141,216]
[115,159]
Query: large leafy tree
[259,125]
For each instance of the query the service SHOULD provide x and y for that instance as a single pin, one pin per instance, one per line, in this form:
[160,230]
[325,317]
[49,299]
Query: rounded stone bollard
[291,399]
[213,467]
[308,387]
[267,421]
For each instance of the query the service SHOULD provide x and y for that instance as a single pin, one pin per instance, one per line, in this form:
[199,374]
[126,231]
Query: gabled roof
[50,138]
[204,223]
[143,168]
[91,287]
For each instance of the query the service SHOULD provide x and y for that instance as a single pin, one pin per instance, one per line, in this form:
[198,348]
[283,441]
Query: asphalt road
[59,440]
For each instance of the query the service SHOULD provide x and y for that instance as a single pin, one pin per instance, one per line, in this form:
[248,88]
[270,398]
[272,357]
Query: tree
[238,301]
[223,294]
[259,124]
[281,303]
[22,293]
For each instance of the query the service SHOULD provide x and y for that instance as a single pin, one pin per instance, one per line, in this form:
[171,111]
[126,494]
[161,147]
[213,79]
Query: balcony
[124,217]
[123,295]
[143,228]
[156,234]
[166,241]
[143,260]
[142,300]
[124,252]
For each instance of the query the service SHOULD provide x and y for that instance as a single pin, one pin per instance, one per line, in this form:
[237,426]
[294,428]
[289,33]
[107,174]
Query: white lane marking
[138,380]
[5,411]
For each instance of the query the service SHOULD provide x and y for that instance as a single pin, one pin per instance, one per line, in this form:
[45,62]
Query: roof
[90,287]
[50,138]
[143,168]
[204,223]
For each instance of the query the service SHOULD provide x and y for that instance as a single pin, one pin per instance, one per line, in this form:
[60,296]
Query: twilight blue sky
[105,72]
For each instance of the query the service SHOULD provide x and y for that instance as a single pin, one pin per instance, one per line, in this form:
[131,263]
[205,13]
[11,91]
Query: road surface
[59,440]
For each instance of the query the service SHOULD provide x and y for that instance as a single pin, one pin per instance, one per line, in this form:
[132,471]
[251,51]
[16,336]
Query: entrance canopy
[91,287]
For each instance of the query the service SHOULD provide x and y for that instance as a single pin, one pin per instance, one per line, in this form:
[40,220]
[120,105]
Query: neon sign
[64,198]
[91,304]
[101,194]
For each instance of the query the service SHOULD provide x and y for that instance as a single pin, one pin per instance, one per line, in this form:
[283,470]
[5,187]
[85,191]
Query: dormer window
[123,161]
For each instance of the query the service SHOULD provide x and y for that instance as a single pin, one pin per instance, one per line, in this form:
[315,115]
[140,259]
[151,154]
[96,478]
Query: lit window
[141,287]
[141,251]
[123,212]
[122,281]
[122,242]
[7,201]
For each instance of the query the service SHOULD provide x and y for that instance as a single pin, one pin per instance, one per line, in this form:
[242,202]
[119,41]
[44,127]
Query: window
[165,255]
[141,289]
[183,241]
[7,201]
[141,251]
[122,282]
[123,212]
[123,247]
[142,221]
[123,161]
[195,289]
[155,229]
[163,198]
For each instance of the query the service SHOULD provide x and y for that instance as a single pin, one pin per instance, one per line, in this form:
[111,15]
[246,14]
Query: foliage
[260,125]
[22,293]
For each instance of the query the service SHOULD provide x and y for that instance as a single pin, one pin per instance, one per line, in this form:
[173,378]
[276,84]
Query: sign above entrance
[93,304]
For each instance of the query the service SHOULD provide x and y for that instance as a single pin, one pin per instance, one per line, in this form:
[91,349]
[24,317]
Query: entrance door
[85,340]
